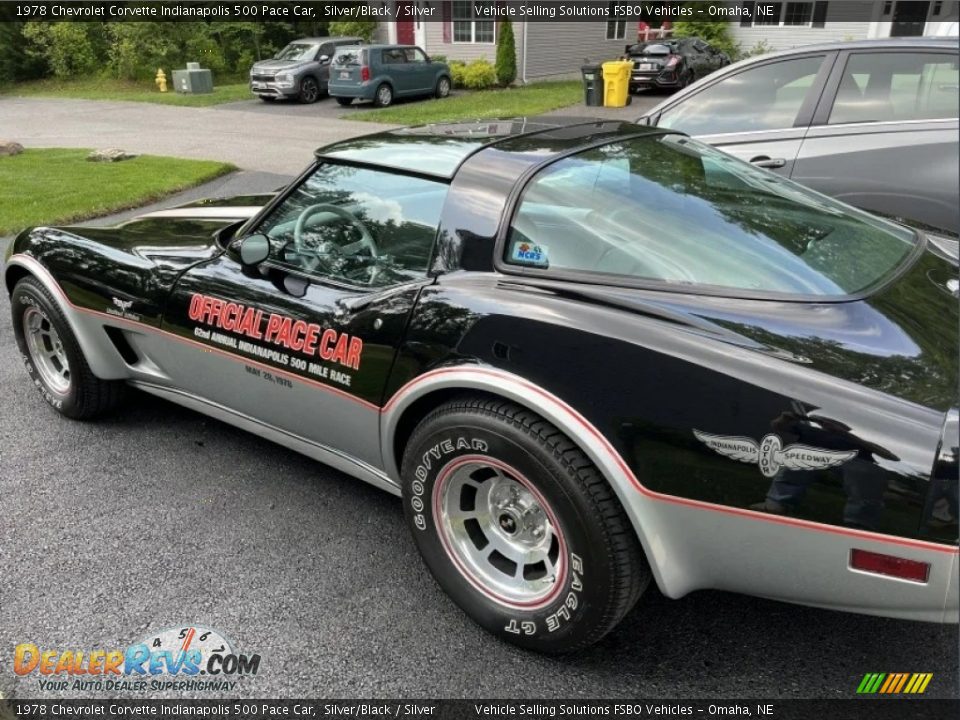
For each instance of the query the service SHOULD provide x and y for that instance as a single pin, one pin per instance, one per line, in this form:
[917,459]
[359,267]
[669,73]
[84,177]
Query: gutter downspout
[523,51]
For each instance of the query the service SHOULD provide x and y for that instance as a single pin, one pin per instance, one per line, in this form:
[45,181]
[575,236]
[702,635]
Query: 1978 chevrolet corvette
[585,354]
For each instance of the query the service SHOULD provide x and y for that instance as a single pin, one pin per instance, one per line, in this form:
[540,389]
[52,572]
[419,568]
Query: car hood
[273,66]
[139,259]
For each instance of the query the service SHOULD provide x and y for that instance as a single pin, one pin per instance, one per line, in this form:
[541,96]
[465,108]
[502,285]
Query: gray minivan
[872,123]
[380,73]
[301,70]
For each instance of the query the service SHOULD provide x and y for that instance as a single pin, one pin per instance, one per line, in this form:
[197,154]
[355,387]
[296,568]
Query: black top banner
[487,709]
[390,11]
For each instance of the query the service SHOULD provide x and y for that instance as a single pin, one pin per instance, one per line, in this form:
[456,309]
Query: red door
[404,27]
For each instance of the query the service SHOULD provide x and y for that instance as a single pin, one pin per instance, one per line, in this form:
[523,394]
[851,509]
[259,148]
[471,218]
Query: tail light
[673,61]
[365,73]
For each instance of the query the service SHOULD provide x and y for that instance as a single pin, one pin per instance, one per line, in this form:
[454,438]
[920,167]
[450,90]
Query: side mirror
[254,249]
[324,59]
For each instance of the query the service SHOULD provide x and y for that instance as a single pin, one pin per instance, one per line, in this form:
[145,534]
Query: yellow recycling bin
[616,83]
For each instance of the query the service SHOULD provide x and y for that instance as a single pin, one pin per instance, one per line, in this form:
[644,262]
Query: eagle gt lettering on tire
[518,526]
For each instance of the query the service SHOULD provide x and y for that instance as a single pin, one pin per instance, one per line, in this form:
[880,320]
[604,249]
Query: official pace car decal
[279,331]
[770,454]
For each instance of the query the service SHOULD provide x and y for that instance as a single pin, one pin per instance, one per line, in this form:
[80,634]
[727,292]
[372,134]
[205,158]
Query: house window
[616,29]
[798,13]
[467,28]
[887,8]
[783,14]
[937,7]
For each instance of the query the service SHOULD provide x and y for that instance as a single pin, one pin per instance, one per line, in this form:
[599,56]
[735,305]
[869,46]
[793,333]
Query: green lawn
[56,185]
[512,102]
[99,89]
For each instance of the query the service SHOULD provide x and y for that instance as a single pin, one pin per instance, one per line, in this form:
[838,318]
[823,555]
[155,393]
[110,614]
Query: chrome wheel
[443,88]
[46,350]
[500,532]
[384,95]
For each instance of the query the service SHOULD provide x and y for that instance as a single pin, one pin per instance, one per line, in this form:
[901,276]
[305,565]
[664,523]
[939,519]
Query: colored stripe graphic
[894,683]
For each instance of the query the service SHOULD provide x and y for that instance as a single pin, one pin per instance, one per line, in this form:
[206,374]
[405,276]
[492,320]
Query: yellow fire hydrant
[161,80]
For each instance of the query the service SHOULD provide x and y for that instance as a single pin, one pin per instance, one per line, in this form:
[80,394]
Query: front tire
[53,357]
[384,95]
[443,87]
[309,91]
[518,526]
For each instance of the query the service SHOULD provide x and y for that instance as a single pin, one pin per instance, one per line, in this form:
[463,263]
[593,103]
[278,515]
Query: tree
[506,54]
[354,28]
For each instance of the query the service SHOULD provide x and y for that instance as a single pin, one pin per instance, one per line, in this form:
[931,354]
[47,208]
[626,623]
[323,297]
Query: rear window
[657,50]
[666,209]
[349,55]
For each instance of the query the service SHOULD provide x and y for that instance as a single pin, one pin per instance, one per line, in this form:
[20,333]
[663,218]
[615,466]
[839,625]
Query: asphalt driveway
[278,137]
[159,517]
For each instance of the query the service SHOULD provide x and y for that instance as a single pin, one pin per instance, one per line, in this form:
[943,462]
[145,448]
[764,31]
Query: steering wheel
[366,240]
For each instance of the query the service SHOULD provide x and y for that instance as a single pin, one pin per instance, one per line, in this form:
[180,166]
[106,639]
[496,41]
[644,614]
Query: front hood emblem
[771,455]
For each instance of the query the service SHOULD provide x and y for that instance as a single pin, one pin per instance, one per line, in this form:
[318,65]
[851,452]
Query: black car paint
[646,368]
[692,64]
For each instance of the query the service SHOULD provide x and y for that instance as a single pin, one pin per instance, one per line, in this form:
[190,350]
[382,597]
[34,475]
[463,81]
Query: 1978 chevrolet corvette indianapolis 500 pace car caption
[585,355]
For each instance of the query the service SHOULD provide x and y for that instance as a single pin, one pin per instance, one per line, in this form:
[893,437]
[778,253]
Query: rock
[109,155]
[8,147]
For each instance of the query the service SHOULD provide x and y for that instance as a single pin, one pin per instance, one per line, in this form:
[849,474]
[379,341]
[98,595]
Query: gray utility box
[193,80]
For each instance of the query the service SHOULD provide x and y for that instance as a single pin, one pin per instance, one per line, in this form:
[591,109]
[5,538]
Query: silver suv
[301,70]
[873,123]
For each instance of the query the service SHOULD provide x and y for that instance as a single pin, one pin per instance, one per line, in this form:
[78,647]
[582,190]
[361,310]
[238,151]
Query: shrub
[68,49]
[506,54]
[457,70]
[715,33]
[479,75]
[438,58]
[761,48]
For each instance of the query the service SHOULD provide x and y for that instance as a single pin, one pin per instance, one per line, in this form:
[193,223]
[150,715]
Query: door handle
[765,161]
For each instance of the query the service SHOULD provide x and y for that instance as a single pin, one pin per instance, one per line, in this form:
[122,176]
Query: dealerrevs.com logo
[181,658]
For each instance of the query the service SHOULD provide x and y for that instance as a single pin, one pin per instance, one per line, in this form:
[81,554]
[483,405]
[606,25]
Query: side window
[415,55]
[888,86]
[358,226]
[327,50]
[761,98]
[393,57]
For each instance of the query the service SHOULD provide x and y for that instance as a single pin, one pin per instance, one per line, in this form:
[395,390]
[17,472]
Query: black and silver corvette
[586,356]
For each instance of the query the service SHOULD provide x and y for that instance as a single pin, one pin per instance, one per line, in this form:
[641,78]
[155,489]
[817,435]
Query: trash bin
[616,83]
[592,84]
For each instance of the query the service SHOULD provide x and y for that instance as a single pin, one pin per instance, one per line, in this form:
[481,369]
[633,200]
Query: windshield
[668,209]
[298,51]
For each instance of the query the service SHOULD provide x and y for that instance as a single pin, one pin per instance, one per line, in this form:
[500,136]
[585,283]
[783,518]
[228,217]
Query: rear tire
[383,97]
[53,357]
[344,101]
[518,526]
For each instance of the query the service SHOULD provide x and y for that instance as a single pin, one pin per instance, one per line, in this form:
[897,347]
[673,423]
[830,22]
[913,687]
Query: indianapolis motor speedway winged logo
[771,455]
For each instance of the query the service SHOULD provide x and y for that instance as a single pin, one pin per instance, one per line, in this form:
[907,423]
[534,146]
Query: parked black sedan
[672,63]
[588,357]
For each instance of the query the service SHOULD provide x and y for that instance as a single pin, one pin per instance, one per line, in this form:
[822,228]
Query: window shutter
[819,14]
[447,22]
[747,19]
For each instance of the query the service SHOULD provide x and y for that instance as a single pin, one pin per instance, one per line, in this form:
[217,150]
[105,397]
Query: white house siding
[559,48]
[844,21]
[467,51]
